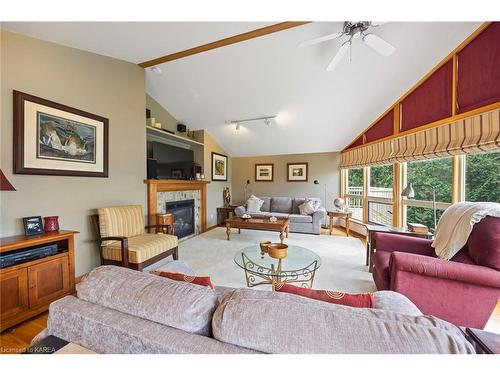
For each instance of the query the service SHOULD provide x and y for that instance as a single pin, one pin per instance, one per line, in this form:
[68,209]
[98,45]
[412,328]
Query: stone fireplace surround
[162,191]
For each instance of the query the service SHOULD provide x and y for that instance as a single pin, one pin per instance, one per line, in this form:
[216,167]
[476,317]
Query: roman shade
[474,134]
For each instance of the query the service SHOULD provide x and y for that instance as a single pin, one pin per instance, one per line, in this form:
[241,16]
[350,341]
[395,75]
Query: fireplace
[183,212]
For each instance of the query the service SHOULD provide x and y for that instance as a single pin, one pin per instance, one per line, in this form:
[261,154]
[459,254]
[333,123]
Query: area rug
[343,258]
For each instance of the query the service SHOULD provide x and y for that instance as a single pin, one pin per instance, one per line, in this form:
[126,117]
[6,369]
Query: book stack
[418,228]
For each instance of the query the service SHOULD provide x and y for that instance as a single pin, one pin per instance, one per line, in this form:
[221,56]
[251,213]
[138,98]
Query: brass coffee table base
[274,275]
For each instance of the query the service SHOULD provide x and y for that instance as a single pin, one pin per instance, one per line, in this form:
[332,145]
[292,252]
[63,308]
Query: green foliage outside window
[381,176]
[424,176]
[482,177]
[355,177]
[421,215]
[428,174]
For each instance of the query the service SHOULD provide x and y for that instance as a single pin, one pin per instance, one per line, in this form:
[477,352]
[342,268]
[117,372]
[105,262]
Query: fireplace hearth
[183,212]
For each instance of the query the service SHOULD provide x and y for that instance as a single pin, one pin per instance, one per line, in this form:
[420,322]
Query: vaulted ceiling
[317,110]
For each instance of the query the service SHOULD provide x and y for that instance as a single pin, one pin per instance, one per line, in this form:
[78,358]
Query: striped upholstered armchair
[124,242]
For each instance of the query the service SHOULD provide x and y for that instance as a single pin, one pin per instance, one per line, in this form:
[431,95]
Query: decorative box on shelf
[418,228]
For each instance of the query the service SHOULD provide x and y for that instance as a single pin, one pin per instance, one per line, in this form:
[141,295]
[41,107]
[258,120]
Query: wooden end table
[223,213]
[281,225]
[342,215]
[371,229]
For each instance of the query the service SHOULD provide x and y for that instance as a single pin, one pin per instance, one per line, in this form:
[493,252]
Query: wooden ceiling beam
[222,43]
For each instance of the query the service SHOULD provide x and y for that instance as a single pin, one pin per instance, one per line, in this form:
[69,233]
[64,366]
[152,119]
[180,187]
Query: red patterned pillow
[199,280]
[346,299]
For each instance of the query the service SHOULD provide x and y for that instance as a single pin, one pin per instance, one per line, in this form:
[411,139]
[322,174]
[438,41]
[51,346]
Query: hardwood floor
[16,339]
[19,337]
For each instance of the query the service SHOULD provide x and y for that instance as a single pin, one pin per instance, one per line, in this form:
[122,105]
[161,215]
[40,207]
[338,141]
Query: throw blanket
[456,224]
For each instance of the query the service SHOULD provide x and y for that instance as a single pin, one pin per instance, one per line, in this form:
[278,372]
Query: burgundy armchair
[463,290]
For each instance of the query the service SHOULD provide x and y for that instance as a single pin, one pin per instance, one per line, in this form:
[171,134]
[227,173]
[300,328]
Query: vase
[51,224]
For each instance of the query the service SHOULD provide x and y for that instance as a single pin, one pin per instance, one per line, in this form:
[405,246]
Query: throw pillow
[309,207]
[254,204]
[199,280]
[346,299]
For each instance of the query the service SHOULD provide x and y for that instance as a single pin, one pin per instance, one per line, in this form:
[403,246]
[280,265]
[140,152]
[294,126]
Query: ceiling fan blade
[378,44]
[320,39]
[377,23]
[338,56]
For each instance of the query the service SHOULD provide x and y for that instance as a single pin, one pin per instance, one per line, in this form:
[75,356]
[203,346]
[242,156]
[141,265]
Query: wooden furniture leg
[347,221]
[287,230]
[330,223]
[368,249]
[228,231]
[372,250]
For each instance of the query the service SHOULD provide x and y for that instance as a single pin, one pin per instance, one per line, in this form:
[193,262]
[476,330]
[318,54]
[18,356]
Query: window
[429,174]
[354,194]
[427,177]
[380,194]
[482,177]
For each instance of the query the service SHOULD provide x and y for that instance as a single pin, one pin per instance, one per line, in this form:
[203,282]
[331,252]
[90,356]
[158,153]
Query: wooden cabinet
[14,293]
[28,288]
[48,281]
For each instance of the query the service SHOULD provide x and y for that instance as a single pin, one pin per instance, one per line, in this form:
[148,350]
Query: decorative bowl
[263,246]
[277,250]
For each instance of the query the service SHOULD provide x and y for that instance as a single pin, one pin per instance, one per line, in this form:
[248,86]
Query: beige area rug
[343,258]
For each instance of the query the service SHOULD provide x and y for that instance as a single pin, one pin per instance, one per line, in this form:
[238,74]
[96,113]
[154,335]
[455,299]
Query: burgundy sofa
[463,290]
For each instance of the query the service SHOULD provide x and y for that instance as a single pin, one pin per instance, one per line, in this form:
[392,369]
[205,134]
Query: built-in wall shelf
[159,135]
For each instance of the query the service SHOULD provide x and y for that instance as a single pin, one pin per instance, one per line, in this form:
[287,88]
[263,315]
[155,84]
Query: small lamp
[5,185]
[408,191]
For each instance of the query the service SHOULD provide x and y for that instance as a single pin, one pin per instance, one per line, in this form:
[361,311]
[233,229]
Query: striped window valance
[475,134]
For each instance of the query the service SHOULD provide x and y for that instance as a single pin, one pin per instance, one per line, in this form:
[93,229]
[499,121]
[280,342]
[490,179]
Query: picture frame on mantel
[54,139]
[264,172]
[297,172]
[219,167]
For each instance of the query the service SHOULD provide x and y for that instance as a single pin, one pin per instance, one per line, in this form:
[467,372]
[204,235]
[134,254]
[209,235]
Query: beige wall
[214,188]
[323,167]
[161,115]
[107,87]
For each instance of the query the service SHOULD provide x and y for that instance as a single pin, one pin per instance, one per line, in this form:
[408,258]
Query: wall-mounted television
[173,162]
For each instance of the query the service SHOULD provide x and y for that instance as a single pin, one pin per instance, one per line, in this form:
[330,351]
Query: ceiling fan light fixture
[338,56]
[378,44]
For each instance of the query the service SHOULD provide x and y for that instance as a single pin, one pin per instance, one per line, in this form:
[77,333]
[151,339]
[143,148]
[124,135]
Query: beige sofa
[124,311]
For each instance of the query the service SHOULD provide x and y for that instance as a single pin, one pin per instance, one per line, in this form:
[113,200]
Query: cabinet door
[14,293]
[48,281]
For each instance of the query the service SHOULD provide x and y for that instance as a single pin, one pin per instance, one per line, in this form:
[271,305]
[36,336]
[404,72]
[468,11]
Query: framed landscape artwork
[264,172]
[219,167]
[297,172]
[54,139]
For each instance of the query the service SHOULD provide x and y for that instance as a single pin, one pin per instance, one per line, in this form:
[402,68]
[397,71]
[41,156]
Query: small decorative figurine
[226,194]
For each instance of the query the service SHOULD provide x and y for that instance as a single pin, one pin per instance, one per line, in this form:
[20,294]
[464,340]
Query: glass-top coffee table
[299,266]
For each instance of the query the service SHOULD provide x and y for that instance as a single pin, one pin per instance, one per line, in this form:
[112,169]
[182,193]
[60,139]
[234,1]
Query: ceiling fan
[354,30]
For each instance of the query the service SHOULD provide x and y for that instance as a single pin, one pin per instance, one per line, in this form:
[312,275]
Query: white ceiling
[318,111]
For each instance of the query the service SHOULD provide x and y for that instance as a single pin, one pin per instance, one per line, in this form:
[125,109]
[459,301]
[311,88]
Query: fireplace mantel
[155,186]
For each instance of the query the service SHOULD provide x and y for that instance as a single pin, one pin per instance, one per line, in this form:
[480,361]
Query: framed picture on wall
[54,139]
[219,167]
[264,172]
[297,172]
